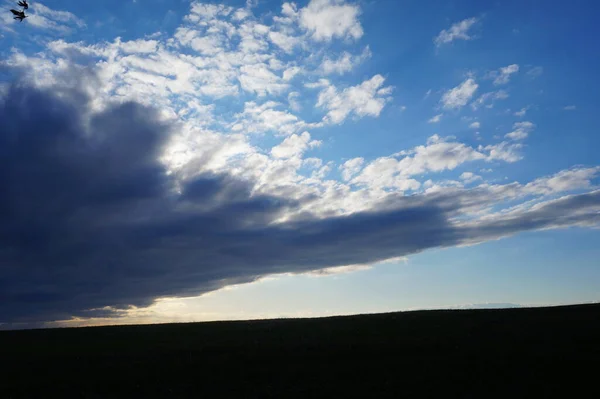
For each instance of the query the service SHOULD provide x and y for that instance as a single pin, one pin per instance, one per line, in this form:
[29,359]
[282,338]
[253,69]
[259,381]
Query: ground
[536,352]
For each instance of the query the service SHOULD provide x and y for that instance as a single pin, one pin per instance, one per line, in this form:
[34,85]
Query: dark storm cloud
[91,219]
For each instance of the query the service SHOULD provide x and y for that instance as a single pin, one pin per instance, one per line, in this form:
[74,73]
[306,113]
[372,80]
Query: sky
[174,161]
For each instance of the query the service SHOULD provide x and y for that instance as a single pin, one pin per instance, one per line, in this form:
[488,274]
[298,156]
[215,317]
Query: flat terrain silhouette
[529,352]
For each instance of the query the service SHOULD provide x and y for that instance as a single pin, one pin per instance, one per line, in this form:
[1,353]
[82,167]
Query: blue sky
[483,113]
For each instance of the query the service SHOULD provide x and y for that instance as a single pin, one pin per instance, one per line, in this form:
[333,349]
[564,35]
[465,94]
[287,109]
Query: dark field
[536,353]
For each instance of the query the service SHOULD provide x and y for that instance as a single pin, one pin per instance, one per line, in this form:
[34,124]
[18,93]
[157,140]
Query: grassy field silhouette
[528,352]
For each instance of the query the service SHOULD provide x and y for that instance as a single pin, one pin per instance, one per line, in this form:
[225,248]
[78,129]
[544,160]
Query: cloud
[459,96]
[563,181]
[367,99]
[384,174]
[329,19]
[285,42]
[293,101]
[575,210]
[475,125]
[6,20]
[521,112]
[502,76]
[139,46]
[101,224]
[504,151]
[176,166]
[212,56]
[458,31]
[470,177]
[438,155]
[345,63]
[294,145]
[351,167]
[520,131]
[200,13]
[570,108]
[266,117]
[435,119]
[323,171]
[488,99]
[102,227]
[44,17]
[259,79]
[535,72]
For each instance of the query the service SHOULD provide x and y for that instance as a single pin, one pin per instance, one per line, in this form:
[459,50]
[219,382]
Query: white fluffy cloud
[435,119]
[367,99]
[351,167]
[293,101]
[520,130]
[438,155]
[201,12]
[384,173]
[458,31]
[504,151]
[521,113]
[285,42]
[260,79]
[488,99]
[328,19]
[502,76]
[294,146]
[470,177]
[266,117]
[459,96]
[345,63]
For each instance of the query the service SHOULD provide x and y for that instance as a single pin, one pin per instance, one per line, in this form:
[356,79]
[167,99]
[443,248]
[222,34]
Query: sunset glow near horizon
[184,161]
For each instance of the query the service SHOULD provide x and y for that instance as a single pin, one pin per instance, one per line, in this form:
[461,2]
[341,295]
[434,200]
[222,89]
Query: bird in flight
[24,4]
[20,15]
